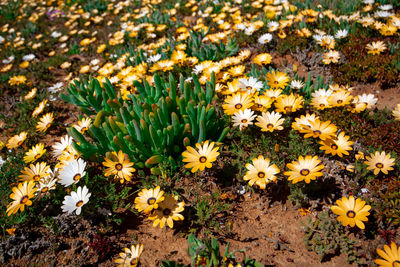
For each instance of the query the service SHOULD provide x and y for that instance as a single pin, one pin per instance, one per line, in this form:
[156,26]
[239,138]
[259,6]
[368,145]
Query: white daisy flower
[55,34]
[72,172]
[154,58]
[198,68]
[395,22]
[76,200]
[368,2]
[243,118]
[52,173]
[383,14]
[296,84]
[8,60]
[265,38]
[322,93]
[114,79]
[95,62]
[320,32]
[2,161]
[52,98]
[327,38]
[28,57]
[317,37]
[1,39]
[272,26]
[340,34]
[386,7]
[250,30]
[241,27]
[251,84]
[46,184]
[55,88]
[368,99]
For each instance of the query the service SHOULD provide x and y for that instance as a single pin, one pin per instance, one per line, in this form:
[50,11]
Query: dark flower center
[118,166]
[244,120]
[261,174]
[24,199]
[351,214]
[334,146]
[36,177]
[322,105]
[203,159]
[396,263]
[340,101]
[44,189]
[166,212]
[288,108]
[238,106]
[304,172]
[270,126]
[259,106]
[316,132]
[77,177]
[37,156]
[379,165]
[133,261]
[79,203]
[151,200]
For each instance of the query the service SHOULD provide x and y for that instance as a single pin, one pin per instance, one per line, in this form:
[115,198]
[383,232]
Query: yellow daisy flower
[320,129]
[45,122]
[167,212]
[340,98]
[339,146]
[202,157]
[149,199]
[304,121]
[379,162]
[31,94]
[39,109]
[396,112]
[236,102]
[307,169]
[331,57]
[261,172]
[21,196]
[16,140]
[390,255]
[262,59]
[119,166]
[35,172]
[262,103]
[34,153]
[375,48]
[288,103]
[277,79]
[270,121]
[83,125]
[130,256]
[351,211]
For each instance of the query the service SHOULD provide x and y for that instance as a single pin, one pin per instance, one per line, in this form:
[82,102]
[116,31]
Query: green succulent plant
[153,125]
